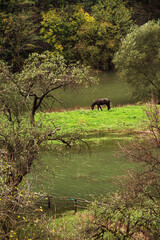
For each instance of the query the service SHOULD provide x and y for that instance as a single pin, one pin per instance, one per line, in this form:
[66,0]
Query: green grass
[119,119]
[70,225]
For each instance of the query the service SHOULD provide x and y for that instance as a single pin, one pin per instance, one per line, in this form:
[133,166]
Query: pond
[118,91]
[83,175]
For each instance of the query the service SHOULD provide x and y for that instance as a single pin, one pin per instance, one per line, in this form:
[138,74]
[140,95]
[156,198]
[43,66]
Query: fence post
[75,205]
[75,202]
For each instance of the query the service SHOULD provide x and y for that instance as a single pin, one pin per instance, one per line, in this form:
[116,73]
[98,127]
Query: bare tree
[133,212]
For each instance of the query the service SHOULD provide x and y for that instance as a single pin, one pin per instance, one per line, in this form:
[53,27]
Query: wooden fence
[59,204]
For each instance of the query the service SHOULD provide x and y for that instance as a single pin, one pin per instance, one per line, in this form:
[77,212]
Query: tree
[144,11]
[11,6]
[138,60]
[20,147]
[91,37]
[18,37]
[41,75]
[45,5]
[133,212]
[21,142]
[59,29]
[99,39]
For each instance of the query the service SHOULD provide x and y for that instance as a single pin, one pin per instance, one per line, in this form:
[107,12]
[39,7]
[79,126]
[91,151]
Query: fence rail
[56,203]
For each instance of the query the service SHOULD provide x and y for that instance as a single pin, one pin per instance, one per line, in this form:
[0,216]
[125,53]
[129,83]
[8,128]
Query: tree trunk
[34,107]
[32,118]
[158,97]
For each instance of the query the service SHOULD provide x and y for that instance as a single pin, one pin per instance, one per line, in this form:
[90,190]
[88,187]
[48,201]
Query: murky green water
[81,174]
[110,87]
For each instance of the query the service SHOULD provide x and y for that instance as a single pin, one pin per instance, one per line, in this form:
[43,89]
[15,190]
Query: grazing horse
[99,102]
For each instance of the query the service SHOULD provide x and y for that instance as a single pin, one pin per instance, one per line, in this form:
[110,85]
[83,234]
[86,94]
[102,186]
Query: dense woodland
[87,31]
[46,45]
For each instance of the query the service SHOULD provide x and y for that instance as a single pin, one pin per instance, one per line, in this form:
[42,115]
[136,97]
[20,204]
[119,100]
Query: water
[83,175]
[110,87]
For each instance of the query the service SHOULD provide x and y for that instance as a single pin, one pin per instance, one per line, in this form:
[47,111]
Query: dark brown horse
[99,102]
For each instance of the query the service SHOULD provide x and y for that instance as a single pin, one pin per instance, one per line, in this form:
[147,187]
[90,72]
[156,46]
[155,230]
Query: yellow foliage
[58,47]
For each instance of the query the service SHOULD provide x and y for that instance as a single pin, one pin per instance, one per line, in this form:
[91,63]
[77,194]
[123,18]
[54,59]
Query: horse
[99,102]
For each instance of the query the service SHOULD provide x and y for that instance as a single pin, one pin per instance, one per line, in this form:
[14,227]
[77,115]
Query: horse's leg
[100,107]
[107,106]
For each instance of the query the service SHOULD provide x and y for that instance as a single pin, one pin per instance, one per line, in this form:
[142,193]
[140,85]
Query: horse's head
[92,106]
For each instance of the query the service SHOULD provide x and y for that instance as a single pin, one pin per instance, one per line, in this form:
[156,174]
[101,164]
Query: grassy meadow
[118,119]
